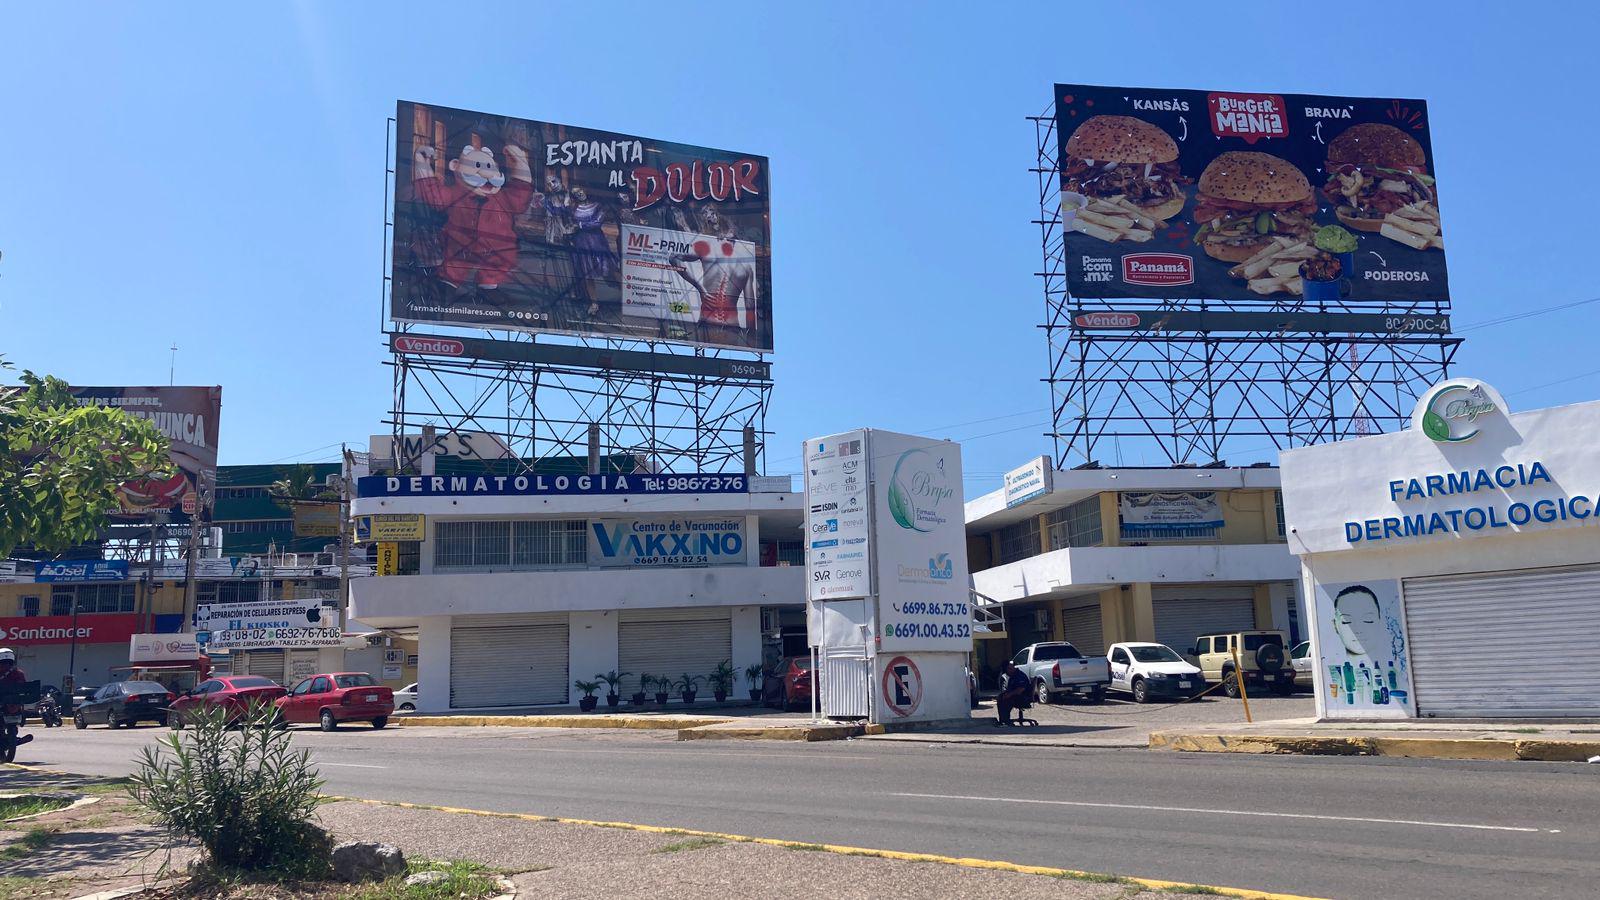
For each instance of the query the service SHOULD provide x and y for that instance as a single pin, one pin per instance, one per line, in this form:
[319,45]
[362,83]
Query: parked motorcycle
[49,711]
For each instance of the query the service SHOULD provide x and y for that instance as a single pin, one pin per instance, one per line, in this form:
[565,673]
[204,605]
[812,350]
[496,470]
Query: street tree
[61,464]
[301,483]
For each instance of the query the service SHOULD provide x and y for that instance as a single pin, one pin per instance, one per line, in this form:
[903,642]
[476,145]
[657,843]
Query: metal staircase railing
[987,614]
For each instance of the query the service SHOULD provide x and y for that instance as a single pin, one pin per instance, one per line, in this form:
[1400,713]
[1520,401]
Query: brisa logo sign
[1450,412]
[916,490]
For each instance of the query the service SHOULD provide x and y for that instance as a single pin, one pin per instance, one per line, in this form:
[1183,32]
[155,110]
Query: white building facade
[1096,556]
[526,584]
[1455,566]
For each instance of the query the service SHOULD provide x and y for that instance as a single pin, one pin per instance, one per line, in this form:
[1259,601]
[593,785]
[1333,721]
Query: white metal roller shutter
[1505,643]
[266,663]
[508,661]
[1082,629]
[673,642]
[1179,622]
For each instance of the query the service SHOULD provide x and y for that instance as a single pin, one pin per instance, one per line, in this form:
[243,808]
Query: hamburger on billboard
[502,222]
[1183,194]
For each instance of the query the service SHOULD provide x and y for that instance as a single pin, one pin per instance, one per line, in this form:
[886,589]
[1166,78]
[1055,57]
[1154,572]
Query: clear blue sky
[213,176]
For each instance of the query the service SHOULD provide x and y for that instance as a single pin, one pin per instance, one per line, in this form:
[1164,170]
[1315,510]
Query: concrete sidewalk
[1421,739]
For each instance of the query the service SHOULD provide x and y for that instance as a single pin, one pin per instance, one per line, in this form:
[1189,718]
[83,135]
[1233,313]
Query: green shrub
[244,795]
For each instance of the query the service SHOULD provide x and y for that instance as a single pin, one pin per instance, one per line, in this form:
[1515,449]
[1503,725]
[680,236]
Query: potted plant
[588,701]
[644,689]
[663,685]
[612,679]
[755,675]
[687,685]
[721,680]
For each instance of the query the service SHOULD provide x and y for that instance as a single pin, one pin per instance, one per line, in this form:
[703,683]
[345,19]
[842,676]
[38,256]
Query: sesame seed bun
[1165,211]
[1249,177]
[1375,144]
[1121,139]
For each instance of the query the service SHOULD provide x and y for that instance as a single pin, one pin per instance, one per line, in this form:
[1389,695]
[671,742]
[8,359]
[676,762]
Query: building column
[591,645]
[433,664]
[746,646]
[1262,595]
[1144,611]
[1058,628]
[1111,630]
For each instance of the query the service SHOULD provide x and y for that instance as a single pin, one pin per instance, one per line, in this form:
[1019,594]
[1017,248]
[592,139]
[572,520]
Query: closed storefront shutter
[673,642]
[1179,620]
[1518,643]
[1083,629]
[508,661]
[266,663]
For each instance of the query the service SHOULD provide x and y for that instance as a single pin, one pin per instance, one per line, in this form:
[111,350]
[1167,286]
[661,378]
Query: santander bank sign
[28,631]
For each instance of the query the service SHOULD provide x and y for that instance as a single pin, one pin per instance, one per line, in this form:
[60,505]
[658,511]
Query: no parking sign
[902,686]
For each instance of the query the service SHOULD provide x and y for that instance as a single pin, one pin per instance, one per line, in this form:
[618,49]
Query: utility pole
[197,520]
[344,533]
[172,365]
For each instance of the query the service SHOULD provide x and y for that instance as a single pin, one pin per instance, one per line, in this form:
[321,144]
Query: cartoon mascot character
[480,245]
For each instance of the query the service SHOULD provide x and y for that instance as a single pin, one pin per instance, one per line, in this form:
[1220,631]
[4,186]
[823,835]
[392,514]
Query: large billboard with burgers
[188,416]
[502,222]
[1184,194]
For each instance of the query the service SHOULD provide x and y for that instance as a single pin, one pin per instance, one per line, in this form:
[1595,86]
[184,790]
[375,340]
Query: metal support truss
[1191,396]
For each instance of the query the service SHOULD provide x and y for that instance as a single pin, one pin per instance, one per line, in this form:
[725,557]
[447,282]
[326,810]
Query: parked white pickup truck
[1057,669]
[1148,670]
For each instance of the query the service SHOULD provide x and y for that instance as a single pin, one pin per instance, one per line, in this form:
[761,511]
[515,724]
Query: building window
[90,598]
[522,544]
[61,601]
[30,606]
[1019,541]
[783,553]
[1077,525]
[1277,499]
[558,543]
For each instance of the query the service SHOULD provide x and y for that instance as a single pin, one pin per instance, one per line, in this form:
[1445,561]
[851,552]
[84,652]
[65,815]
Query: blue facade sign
[548,485]
[79,570]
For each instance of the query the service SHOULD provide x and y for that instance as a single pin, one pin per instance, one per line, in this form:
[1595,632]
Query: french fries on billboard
[1127,171]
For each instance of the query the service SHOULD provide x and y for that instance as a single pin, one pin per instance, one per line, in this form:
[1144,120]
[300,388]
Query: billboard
[1188,194]
[670,542]
[188,416]
[513,223]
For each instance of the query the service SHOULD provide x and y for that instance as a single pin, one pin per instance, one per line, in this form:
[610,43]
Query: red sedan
[236,693]
[790,684]
[338,697]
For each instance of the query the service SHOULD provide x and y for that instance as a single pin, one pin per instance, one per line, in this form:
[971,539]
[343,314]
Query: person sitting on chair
[1016,693]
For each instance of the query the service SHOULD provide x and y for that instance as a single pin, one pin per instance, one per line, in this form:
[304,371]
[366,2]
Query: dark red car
[790,684]
[338,697]
[236,693]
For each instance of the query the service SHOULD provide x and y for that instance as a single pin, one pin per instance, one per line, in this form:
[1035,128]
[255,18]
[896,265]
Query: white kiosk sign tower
[888,601]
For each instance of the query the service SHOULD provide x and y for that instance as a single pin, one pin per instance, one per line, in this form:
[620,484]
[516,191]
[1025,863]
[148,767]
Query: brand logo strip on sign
[1158,269]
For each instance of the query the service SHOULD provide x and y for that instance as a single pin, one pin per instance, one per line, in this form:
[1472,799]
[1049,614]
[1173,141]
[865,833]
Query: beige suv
[1261,656]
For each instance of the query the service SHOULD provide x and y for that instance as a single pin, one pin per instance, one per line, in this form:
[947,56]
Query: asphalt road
[1331,827]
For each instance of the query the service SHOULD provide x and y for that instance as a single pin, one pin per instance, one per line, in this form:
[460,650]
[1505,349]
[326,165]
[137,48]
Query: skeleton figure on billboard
[480,243]
[727,275]
[557,210]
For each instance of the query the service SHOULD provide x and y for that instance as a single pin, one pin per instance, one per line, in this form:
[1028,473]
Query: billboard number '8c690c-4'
[513,223]
[1182,194]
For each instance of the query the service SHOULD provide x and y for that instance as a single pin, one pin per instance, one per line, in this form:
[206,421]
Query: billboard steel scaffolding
[1191,381]
[667,406]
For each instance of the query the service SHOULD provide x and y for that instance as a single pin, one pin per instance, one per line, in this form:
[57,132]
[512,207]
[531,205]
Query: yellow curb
[1404,747]
[901,855]
[632,722]
[774,733]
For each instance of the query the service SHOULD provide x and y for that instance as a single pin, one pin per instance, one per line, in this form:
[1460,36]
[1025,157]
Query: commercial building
[251,519]
[1096,555]
[1454,568]
[522,584]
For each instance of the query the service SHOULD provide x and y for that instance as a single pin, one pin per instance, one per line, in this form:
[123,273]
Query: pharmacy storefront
[1453,569]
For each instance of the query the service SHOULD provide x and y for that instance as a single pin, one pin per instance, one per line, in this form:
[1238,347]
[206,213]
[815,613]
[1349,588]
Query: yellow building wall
[168,597]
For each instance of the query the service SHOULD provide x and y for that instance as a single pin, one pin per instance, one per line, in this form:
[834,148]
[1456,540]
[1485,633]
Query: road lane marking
[998,865]
[1233,812]
[349,765]
[718,753]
